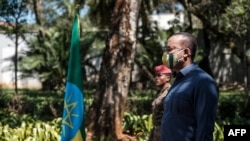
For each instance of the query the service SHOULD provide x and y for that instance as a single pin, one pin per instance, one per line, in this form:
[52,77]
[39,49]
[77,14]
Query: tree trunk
[38,10]
[204,63]
[16,32]
[105,115]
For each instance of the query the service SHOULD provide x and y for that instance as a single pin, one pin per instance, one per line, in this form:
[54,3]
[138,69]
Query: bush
[231,109]
[15,127]
[34,113]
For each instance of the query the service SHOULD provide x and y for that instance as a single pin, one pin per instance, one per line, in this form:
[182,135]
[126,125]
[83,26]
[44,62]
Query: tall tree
[105,115]
[48,50]
[240,28]
[14,12]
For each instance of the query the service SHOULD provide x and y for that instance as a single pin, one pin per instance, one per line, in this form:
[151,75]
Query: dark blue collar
[188,68]
[184,71]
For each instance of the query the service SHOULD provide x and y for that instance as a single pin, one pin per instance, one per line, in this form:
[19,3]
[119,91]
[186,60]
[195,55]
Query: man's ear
[187,52]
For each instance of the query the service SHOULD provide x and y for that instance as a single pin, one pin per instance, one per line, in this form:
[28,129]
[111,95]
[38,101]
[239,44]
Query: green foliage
[140,102]
[239,11]
[35,121]
[32,102]
[49,48]
[13,11]
[47,58]
[12,119]
[232,109]
[24,127]
[218,133]
[137,125]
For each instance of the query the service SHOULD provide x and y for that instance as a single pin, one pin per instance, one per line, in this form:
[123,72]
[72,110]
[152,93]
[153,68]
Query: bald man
[190,105]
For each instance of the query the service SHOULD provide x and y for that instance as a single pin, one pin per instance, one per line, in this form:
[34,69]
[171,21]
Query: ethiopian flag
[73,112]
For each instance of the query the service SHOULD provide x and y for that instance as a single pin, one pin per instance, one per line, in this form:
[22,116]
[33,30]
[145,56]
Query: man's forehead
[175,38]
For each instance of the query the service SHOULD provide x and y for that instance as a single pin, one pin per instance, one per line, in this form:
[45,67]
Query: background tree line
[118,43]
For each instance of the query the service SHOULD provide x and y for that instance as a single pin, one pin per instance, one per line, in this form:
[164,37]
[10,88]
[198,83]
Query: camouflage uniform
[157,105]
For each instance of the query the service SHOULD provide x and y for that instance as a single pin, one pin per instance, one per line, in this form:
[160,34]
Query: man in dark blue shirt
[190,106]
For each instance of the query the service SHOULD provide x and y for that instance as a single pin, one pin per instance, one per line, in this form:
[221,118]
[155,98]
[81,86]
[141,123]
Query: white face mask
[170,60]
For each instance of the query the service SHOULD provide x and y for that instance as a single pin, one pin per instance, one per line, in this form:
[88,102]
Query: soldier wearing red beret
[162,80]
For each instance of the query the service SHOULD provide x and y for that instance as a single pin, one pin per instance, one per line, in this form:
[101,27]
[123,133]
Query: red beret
[162,69]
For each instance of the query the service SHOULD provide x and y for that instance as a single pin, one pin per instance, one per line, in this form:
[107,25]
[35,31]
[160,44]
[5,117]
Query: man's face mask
[170,60]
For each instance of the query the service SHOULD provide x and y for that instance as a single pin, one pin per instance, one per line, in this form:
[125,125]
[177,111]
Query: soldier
[162,80]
